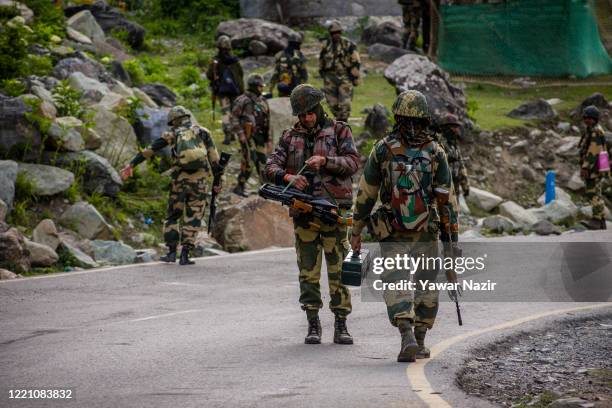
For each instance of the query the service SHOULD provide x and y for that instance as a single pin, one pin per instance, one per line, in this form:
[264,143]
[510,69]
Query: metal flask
[355,267]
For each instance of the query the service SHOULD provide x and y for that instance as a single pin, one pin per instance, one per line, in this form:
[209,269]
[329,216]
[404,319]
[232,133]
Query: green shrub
[39,65]
[13,48]
[135,70]
[8,12]
[13,87]
[66,100]
[190,75]
[128,111]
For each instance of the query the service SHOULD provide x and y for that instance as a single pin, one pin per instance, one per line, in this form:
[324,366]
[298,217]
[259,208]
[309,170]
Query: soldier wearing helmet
[451,130]
[227,83]
[339,64]
[592,145]
[290,67]
[408,170]
[327,149]
[251,122]
[194,158]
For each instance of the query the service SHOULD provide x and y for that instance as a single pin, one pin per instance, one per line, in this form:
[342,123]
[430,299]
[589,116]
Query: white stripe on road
[416,371]
[142,319]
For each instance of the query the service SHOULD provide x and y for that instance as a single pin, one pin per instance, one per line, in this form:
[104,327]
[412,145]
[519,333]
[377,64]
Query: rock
[119,143]
[483,199]
[242,31]
[85,219]
[572,402]
[569,147]
[417,72]
[596,99]
[544,227]
[386,53]
[41,255]
[149,125]
[257,47]
[64,137]
[146,256]
[47,110]
[122,89]
[470,234]
[146,99]
[517,214]
[560,195]
[92,89]
[281,116]
[14,254]
[118,72]
[85,23]
[77,36]
[464,209]
[45,233]
[43,94]
[564,126]
[3,210]
[8,176]
[253,63]
[575,182]
[560,212]
[523,82]
[499,224]
[528,173]
[519,147]
[98,175]
[7,275]
[24,11]
[79,258]
[538,109]
[47,180]
[377,120]
[160,94]
[17,134]
[587,212]
[112,102]
[206,245]
[113,252]
[253,223]
[83,64]
[387,33]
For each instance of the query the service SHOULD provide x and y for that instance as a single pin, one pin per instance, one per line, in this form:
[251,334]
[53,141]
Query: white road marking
[142,319]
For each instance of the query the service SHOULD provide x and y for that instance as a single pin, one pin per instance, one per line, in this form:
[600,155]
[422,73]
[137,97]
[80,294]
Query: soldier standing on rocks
[327,148]
[290,68]
[592,143]
[339,64]
[251,122]
[226,80]
[408,170]
[411,16]
[451,130]
[194,156]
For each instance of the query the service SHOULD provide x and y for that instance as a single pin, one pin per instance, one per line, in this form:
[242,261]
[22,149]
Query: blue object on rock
[550,187]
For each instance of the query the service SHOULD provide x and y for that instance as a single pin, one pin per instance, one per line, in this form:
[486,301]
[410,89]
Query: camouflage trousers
[253,153]
[339,95]
[420,306]
[593,192]
[411,16]
[186,206]
[225,103]
[310,244]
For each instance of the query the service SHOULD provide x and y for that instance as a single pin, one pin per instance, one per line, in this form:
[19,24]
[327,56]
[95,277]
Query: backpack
[191,152]
[227,84]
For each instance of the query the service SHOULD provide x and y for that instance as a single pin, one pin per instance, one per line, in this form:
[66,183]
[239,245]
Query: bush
[13,87]
[13,48]
[135,70]
[66,100]
[190,75]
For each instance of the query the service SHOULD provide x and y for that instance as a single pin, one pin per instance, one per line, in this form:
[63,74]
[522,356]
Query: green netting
[522,37]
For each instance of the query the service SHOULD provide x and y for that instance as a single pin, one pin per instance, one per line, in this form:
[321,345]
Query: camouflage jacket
[290,68]
[334,141]
[376,179]
[252,109]
[456,164]
[168,138]
[340,61]
[592,142]
[218,65]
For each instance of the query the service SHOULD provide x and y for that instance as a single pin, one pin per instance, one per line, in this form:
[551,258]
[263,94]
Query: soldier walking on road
[194,157]
[251,122]
[410,173]
[327,148]
[290,67]
[339,64]
[226,79]
[451,130]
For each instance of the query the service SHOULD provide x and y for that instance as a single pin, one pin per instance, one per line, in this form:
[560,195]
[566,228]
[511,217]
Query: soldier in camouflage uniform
[194,156]
[451,129]
[592,143]
[250,121]
[328,149]
[226,80]
[408,170]
[411,16]
[290,67]
[339,64]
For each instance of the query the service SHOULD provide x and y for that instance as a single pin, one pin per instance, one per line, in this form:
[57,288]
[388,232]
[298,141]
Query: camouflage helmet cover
[255,80]
[295,37]
[304,98]
[177,112]
[412,104]
[334,27]
[591,111]
[450,119]
[224,43]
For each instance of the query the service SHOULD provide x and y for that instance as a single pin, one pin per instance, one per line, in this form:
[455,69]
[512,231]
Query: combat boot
[314,331]
[409,345]
[603,225]
[594,224]
[341,334]
[185,256]
[419,334]
[170,256]
[239,190]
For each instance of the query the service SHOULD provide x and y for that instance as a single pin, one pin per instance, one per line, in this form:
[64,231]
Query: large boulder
[150,124]
[387,32]
[386,53]
[417,72]
[377,120]
[8,176]
[244,30]
[499,224]
[90,138]
[45,233]
[597,99]
[17,134]
[517,214]
[41,255]
[560,195]
[560,212]
[92,89]
[85,23]
[539,109]
[3,210]
[14,254]
[112,252]
[545,227]
[47,180]
[145,98]
[483,199]
[281,116]
[160,93]
[85,219]
[253,223]
[575,183]
[113,102]
[76,256]
[119,142]
[64,137]
[83,64]
[8,275]
[78,36]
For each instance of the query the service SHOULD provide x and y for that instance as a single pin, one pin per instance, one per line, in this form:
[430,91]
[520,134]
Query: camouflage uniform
[289,70]
[593,141]
[334,141]
[187,200]
[455,161]
[251,110]
[339,67]
[411,16]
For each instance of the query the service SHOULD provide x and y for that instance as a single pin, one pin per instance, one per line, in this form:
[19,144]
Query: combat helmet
[255,80]
[295,37]
[591,111]
[412,104]
[334,27]
[177,112]
[304,98]
[450,120]
[224,43]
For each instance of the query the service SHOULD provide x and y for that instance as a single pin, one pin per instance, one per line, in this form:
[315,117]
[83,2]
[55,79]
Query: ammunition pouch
[379,225]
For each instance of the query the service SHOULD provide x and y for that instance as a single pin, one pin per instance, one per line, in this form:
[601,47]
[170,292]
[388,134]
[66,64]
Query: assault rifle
[451,250]
[223,160]
[305,204]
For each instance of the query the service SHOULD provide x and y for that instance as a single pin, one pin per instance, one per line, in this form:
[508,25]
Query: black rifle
[305,204]
[451,250]
[223,160]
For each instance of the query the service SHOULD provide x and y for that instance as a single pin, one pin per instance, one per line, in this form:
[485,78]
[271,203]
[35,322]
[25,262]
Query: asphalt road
[228,332]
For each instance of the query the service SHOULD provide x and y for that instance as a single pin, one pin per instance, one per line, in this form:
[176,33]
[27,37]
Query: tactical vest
[190,151]
[338,60]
